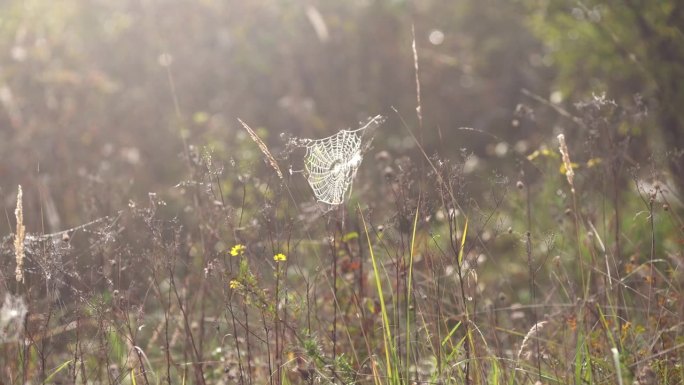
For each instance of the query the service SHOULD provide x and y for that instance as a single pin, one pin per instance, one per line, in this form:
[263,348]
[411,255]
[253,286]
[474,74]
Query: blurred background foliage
[88,118]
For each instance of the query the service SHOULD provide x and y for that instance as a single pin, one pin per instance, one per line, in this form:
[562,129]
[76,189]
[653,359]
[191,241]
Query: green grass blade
[54,372]
[463,239]
[389,349]
[578,360]
[408,290]
[448,336]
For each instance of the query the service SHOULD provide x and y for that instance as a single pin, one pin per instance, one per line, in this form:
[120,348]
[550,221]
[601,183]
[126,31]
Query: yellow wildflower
[234,284]
[280,257]
[594,162]
[238,250]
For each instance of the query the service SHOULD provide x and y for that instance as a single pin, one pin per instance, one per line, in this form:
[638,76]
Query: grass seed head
[569,172]
[19,237]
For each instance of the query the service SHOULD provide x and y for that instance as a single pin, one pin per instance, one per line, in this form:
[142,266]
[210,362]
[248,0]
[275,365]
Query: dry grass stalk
[569,172]
[263,148]
[646,376]
[19,237]
[534,330]
[419,106]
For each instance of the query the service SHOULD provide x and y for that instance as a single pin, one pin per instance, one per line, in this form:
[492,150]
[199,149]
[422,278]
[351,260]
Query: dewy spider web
[331,162]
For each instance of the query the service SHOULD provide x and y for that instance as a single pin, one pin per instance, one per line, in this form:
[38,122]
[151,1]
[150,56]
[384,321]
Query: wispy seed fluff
[263,148]
[19,237]
[532,333]
[569,172]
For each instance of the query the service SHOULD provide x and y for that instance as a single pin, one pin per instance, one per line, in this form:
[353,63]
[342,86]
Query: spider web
[331,163]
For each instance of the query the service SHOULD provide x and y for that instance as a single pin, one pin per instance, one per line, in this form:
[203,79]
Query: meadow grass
[566,271]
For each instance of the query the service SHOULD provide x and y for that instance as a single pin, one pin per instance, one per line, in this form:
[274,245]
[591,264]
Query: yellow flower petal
[237,250]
